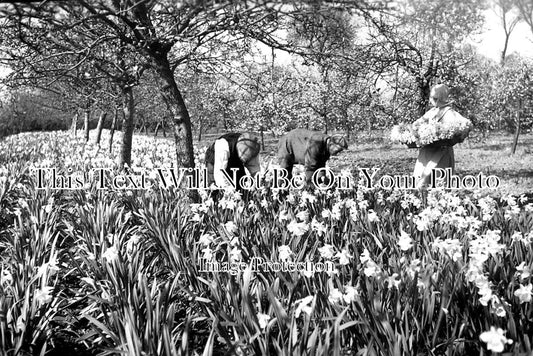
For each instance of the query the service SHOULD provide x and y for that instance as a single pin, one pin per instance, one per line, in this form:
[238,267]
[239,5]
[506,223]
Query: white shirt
[221,163]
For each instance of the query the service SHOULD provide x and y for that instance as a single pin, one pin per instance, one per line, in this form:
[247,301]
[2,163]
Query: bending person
[232,151]
[310,148]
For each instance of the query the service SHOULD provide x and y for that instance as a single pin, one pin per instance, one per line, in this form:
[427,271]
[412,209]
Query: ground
[489,155]
[412,276]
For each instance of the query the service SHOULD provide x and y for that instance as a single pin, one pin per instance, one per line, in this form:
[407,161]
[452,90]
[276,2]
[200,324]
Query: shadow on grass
[506,174]
[384,147]
[493,147]
[392,165]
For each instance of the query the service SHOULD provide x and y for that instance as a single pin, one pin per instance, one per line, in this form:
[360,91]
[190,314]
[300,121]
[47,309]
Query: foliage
[512,92]
[495,95]
[26,110]
[355,67]
[417,45]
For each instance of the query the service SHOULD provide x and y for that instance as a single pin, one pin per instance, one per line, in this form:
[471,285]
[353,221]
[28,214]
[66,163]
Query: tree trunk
[74,126]
[517,133]
[99,128]
[157,129]
[112,129]
[177,108]
[424,90]
[164,129]
[86,125]
[127,126]
[262,138]
[504,51]
[200,132]
[225,122]
[181,120]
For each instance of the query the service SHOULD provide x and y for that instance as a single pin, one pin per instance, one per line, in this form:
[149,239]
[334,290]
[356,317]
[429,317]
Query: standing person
[436,155]
[232,150]
[310,148]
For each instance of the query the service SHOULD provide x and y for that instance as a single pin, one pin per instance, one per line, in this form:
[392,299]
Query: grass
[490,155]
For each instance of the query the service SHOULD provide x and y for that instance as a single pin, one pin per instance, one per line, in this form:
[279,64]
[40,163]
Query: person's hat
[247,148]
[339,140]
[336,143]
[441,94]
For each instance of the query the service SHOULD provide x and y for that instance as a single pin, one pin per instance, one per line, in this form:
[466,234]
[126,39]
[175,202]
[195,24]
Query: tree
[169,33]
[330,39]
[31,110]
[512,95]
[417,43]
[526,12]
[504,10]
[54,46]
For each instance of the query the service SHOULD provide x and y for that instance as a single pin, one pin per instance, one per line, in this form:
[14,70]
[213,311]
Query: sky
[490,42]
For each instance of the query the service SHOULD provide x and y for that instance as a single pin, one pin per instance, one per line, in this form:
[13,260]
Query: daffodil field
[380,272]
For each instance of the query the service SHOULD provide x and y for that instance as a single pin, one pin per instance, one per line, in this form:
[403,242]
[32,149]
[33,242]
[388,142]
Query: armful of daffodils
[428,132]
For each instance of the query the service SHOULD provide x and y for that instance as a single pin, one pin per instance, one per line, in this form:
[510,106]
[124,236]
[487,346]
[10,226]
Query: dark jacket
[233,162]
[305,147]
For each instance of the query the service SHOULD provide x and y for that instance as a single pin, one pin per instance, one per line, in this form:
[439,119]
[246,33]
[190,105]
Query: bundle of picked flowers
[426,131]
[403,133]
